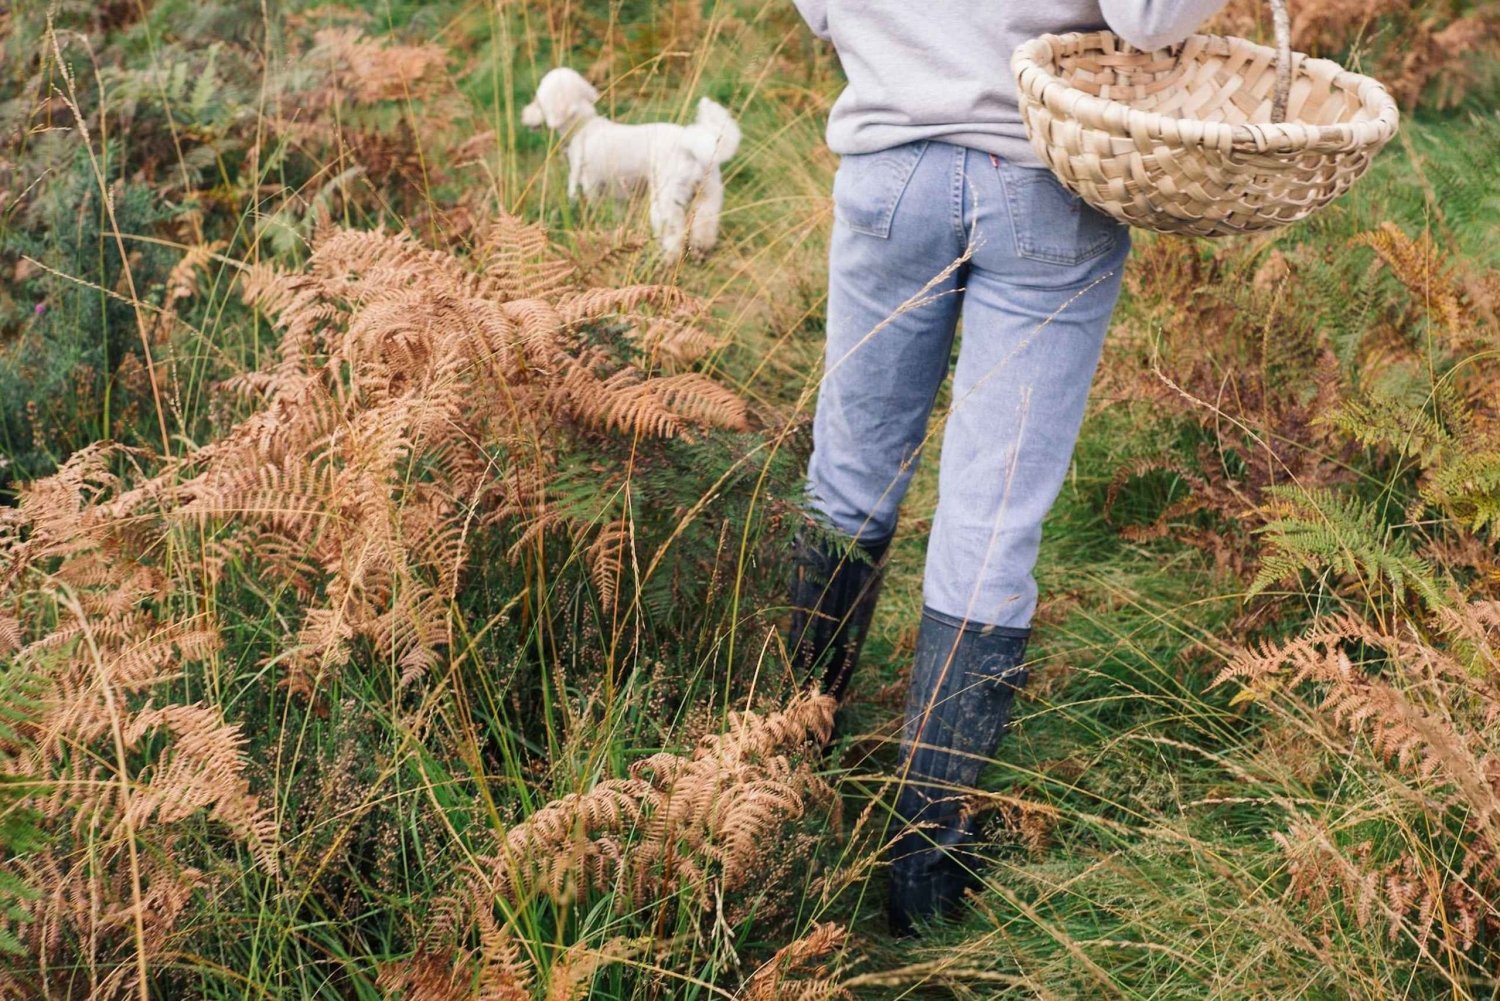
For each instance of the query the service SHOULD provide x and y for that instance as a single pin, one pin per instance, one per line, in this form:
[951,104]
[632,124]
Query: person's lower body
[926,235]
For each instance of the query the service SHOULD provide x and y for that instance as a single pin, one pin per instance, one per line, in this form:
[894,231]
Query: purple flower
[41,308]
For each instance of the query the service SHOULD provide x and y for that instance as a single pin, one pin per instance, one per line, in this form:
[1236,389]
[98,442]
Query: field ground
[396,616]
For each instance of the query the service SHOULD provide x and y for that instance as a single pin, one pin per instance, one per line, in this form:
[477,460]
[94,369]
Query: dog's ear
[557,111]
[574,100]
[562,97]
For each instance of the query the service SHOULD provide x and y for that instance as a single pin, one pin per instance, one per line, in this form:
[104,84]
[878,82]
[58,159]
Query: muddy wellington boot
[834,588]
[963,684]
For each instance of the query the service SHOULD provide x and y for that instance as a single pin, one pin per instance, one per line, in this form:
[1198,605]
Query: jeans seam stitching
[960,157]
[1098,249]
[888,215]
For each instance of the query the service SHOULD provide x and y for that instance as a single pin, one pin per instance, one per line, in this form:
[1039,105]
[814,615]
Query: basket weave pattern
[1181,140]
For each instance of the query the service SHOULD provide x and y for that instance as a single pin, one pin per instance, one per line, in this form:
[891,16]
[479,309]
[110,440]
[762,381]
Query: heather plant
[73,370]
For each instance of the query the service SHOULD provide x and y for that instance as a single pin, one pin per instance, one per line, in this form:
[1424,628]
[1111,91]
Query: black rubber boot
[963,684]
[833,599]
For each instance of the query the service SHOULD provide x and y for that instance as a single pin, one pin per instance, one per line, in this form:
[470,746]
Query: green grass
[1134,851]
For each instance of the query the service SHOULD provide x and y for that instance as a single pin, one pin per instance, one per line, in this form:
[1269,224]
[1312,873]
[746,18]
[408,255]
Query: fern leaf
[1322,532]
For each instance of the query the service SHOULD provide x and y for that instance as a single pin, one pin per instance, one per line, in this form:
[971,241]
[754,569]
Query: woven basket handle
[1283,28]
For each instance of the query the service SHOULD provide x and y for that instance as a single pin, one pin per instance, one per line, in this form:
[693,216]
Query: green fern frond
[1415,432]
[1458,454]
[20,829]
[1468,488]
[1325,533]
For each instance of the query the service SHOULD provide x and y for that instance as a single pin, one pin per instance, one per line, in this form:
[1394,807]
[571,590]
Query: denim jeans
[927,234]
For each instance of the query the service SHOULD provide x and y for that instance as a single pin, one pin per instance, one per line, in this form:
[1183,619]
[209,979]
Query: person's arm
[815,13]
[1155,24]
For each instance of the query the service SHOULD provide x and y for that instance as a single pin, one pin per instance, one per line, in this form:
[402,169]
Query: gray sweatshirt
[940,69]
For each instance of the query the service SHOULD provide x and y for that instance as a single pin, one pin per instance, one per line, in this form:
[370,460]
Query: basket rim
[1032,65]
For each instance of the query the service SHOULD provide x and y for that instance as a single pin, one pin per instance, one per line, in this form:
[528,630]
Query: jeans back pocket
[1051,223]
[868,187]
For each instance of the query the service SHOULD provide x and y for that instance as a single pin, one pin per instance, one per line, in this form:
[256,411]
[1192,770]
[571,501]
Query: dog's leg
[703,231]
[668,220]
[575,170]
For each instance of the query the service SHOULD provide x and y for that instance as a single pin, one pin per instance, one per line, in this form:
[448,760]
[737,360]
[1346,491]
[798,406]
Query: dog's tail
[715,136]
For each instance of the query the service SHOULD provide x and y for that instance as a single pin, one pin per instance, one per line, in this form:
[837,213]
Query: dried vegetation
[357,583]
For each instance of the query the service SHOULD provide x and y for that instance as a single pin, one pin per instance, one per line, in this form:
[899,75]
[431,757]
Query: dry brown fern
[1429,899]
[1428,274]
[449,976]
[182,281]
[373,116]
[519,262]
[689,829]
[413,387]
[372,70]
[676,339]
[676,822]
[1424,703]
[572,974]
[799,971]
[1408,716]
[607,556]
[1321,27]
[116,776]
[428,977]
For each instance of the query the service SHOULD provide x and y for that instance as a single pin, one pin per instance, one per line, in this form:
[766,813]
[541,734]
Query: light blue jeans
[924,235]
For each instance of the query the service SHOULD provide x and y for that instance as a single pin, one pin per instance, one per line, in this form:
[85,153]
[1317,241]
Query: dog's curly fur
[677,164]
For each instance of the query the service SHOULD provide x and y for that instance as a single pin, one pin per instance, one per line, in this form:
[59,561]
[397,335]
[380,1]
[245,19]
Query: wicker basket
[1191,139]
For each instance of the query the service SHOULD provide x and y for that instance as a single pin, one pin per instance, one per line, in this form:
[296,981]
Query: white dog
[678,165]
